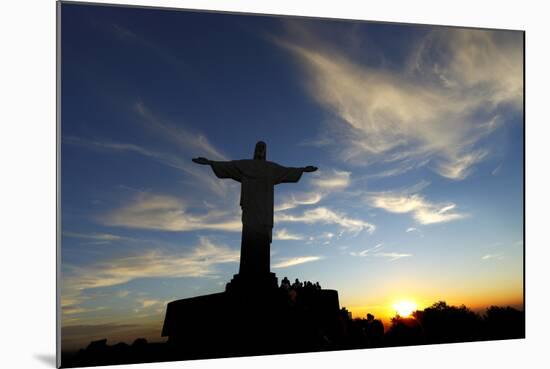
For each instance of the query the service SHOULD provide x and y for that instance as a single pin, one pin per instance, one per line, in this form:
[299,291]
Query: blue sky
[417,132]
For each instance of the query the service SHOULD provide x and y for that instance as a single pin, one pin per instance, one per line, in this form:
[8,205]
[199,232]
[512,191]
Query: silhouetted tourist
[285,283]
[292,294]
[297,284]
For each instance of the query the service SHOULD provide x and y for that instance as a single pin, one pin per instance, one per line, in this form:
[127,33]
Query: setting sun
[404,307]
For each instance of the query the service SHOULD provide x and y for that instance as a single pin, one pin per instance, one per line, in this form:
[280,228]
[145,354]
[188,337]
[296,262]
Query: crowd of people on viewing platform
[297,285]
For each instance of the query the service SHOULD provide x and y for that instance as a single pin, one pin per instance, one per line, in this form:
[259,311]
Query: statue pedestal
[253,282]
[253,317]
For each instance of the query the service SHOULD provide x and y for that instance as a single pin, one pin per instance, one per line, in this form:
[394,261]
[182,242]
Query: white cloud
[284,235]
[149,302]
[325,238]
[73,310]
[324,182]
[393,255]
[94,236]
[491,256]
[332,180]
[411,229]
[401,168]
[439,106]
[326,216]
[198,262]
[370,251]
[422,210]
[298,199]
[460,166]
[168,213]
[193,142]
[375,251]
[361,253]
[327,235]
[288,262]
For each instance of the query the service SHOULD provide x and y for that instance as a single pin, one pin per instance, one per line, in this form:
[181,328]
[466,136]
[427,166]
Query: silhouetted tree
[404,332]
[297,328]
[503,323]
[444,323]
[374,331]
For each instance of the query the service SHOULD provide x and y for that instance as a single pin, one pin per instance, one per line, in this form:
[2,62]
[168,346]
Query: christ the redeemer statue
[258,178]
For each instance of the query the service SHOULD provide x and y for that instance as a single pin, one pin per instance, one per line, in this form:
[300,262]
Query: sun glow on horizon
[404,308]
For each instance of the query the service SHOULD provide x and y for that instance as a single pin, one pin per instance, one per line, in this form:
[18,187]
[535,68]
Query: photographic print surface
[236,184]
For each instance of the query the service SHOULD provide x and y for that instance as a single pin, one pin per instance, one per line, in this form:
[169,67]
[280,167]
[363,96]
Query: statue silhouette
[258,178]
[258,316]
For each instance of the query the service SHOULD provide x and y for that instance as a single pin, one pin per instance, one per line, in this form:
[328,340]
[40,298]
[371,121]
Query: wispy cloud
[393,255]
[182,144]
[422,210]
[491,256]
[151,303]
[325,238]
[401,168]
[332,180]
[185,139]
[74,310]
[198,262]
[323,182]
[288,262]
[439,105]
[168,213]
[298,199]
[107,237]
[411,229]
[201,261]
[178,162]
[496,171]
[325,215]
[284,235]
[376,252]
[367,252]
[171,60]
[460,166]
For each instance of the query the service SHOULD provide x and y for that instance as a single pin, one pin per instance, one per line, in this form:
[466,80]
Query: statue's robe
[258,179]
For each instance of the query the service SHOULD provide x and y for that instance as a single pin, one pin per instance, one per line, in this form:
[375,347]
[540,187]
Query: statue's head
[260,152]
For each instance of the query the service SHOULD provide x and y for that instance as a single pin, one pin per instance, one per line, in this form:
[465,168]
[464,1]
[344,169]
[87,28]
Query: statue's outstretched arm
[222,169]
[202,161]
[289,174]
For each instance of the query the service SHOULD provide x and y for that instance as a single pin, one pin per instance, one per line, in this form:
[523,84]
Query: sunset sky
[417,132]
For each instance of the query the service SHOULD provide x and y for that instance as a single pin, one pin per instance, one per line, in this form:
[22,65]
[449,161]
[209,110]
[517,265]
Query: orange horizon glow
[405,306]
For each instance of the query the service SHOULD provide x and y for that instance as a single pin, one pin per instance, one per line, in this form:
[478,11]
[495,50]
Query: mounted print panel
[244,184]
